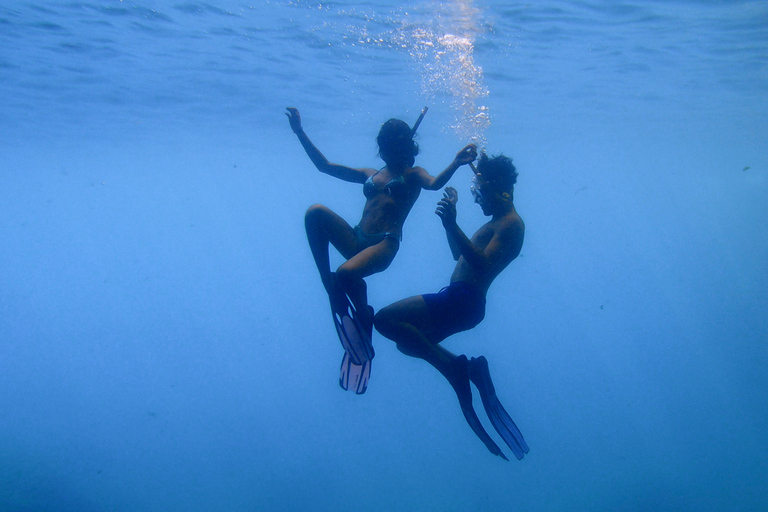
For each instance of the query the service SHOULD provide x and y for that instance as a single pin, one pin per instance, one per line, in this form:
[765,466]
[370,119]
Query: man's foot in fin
[460,383]
[354,376]
[481,377]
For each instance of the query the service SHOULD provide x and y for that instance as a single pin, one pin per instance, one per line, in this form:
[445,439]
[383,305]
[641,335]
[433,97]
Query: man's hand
[467,155]
[446,207]
[451,195]
[294,118]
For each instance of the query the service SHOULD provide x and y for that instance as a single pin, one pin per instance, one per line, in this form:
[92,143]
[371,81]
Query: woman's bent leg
[371,260]
[325,227]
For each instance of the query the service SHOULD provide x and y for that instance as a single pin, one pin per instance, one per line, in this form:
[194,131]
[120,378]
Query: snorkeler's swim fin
[481,377]
[354,376]
[354,336]
[464,393]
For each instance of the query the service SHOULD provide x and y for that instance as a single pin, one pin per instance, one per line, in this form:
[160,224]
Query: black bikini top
[395,187]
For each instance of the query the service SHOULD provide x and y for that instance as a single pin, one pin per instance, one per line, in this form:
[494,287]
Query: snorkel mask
[474,187]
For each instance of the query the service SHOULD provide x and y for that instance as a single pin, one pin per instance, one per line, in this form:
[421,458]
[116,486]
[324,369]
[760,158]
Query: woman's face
[395,141]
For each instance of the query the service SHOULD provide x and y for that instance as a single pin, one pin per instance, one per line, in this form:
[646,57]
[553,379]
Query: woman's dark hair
[498,171]
[396,144]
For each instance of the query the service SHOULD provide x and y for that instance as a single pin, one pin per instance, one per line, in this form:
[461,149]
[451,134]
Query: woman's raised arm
[465,156]
[323,165]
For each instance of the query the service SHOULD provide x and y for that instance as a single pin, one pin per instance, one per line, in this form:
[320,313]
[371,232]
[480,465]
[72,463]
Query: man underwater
[418,324]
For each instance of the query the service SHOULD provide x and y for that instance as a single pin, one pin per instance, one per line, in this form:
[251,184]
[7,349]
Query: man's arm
[504,246]
[450,195]
[322,163]
[460,244]
[464,247]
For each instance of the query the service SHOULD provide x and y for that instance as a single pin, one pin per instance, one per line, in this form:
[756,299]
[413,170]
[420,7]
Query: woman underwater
[369,247]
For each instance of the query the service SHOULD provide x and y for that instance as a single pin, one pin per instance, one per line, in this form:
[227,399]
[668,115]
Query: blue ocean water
[165,343]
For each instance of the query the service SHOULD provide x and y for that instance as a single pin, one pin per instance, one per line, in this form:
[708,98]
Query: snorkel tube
[418,121]
[416,127]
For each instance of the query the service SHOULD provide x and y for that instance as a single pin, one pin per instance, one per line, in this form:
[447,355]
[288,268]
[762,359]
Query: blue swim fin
[464,393]
[354,336]
[480,375]
[354,376]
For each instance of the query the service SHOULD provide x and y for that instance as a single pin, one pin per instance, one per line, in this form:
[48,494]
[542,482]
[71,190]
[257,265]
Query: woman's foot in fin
[339,300]
[365,318]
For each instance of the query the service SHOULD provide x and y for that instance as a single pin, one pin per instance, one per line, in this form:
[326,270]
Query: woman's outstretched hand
[294,118]
[446,207]
[466,156]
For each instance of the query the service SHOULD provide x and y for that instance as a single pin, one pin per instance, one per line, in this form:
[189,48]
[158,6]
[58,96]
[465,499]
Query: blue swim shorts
[458,307]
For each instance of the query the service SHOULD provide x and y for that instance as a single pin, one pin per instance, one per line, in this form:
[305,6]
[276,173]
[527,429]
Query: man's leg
[409,324]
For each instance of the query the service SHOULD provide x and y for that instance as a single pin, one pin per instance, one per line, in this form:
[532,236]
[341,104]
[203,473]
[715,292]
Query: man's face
[482,193]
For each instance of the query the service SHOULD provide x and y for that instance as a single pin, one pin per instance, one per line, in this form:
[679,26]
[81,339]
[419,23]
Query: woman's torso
[389,198]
